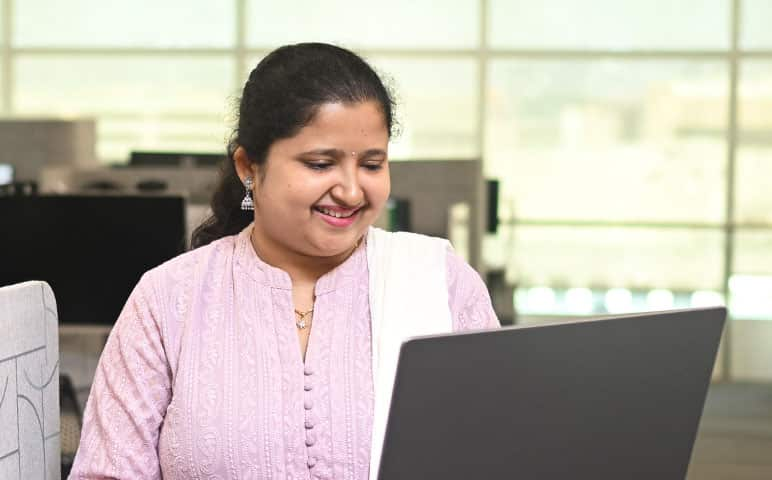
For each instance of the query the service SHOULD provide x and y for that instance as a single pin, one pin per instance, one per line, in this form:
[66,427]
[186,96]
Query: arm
[470,303]
[128,399]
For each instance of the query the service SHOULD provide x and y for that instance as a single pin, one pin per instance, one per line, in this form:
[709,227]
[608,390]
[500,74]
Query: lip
[335,221]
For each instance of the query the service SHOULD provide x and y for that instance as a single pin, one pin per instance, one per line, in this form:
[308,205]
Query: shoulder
[461,275]
[173,286]
[171,290]
[468,297]
[190,263]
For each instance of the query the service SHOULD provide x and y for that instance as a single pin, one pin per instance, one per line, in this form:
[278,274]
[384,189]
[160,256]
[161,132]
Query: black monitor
[492,205]
[175,159]
[92,250]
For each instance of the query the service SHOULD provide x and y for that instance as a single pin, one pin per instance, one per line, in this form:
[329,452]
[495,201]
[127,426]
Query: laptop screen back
[603,399]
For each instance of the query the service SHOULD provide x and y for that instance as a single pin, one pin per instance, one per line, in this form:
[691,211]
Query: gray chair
[29,383]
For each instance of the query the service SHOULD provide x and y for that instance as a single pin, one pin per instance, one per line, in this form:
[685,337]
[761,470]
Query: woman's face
[322,188]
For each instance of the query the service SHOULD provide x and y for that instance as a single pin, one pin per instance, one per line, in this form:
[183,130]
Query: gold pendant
[302,323]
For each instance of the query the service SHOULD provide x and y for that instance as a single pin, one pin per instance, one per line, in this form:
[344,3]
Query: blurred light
[660,299]
[750,296]
[520,298]
[706,298]
[579,300]
[619,300]
[750,284]
[541,299]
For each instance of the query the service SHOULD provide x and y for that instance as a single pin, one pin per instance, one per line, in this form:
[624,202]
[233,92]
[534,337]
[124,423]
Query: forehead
[356,125]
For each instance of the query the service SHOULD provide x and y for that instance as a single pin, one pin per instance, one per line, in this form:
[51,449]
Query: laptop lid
[596,399]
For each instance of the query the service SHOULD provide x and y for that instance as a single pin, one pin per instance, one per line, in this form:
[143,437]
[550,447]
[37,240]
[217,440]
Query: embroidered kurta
[202,376]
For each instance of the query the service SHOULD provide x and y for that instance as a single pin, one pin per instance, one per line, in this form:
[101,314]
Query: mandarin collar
[274,277]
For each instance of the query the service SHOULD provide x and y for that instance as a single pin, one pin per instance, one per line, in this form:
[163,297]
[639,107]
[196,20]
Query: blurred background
[627,145]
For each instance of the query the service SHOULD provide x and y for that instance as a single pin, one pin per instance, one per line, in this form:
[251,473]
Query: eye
[373,167]
[318,166]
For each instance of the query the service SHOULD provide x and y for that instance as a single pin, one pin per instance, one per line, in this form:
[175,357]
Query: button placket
[308,405]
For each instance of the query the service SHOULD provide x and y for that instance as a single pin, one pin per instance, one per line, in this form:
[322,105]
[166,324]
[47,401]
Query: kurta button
[308,370]
[311,462]
[309,424]
[307,387]
[310,439]
[308,404]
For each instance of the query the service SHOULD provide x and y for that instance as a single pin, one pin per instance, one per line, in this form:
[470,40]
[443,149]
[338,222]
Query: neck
[302,268]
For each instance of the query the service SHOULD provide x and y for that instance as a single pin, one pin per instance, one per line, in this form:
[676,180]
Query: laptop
[611,398]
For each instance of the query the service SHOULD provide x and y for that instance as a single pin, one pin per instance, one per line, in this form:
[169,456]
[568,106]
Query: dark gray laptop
[614,398]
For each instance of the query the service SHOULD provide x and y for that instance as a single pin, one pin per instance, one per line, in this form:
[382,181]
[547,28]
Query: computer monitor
[175,159]
[491,205]
[92,250]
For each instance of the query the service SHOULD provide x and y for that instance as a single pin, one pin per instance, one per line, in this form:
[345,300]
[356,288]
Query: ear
[244,167]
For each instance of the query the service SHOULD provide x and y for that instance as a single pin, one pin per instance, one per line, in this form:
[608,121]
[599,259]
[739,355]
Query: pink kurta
[203,378]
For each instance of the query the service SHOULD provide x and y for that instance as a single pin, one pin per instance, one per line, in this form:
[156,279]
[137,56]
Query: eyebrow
[337,152]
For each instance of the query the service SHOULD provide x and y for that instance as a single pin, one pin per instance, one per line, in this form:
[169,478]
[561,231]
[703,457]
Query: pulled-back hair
[281,96]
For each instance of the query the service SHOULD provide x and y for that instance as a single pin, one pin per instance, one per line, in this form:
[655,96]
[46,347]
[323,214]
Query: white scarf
[408,298]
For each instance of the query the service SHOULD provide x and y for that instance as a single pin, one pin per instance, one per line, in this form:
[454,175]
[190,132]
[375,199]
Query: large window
[632,140]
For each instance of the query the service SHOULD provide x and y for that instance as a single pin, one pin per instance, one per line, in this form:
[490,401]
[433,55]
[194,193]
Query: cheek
[298,196]
[379,190]
[288,193]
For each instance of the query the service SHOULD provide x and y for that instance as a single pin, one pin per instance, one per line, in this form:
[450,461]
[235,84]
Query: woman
[268,350]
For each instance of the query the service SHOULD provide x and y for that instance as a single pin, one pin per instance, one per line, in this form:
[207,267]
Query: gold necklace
[302,323]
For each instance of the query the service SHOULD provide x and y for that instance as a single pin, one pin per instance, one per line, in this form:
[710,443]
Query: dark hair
[281,96]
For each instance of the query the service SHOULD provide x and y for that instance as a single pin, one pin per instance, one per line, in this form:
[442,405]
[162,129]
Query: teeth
[334,214]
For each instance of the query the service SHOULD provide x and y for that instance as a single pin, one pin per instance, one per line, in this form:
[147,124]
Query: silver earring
[247,203]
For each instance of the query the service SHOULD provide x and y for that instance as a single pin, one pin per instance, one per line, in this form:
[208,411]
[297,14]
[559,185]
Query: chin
[338,246]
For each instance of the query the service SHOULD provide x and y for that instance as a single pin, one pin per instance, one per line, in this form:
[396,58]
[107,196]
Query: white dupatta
[408,298]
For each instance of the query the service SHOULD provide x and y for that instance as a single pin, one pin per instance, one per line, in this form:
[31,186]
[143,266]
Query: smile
[340,218]
[336,214]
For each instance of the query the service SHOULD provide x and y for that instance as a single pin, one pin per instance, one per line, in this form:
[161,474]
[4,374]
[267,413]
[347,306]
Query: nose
[348,190]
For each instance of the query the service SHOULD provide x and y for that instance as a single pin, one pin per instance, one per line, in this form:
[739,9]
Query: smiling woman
[300,104]
[268,351]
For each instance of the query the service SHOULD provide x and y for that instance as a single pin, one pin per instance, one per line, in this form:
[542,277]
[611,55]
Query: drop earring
[248,203]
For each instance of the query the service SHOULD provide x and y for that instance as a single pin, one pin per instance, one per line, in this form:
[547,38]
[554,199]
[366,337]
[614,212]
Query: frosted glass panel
[99,23]
[2,22]
[437,107]
[751,352]
[139,102]
[3,110]
[620,140]
[750,285]
[755,27]
[754,153]
[632,258]
[610,24]
[2,58]
[753,252]
[352,23]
